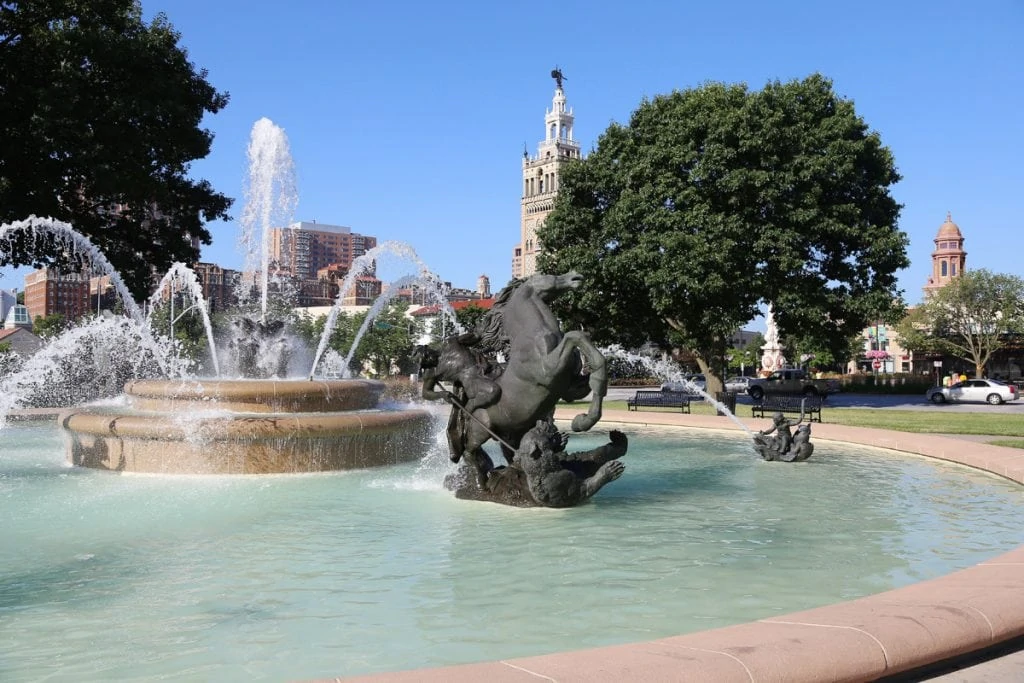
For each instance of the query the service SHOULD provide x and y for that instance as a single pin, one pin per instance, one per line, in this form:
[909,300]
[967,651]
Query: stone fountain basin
[255,395]
[245,427]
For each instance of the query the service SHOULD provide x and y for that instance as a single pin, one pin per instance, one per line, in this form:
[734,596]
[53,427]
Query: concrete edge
[860,640]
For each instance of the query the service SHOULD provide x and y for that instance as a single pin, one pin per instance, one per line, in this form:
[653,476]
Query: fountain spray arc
[44,231]
[74,244]
[366,263]
[181,278]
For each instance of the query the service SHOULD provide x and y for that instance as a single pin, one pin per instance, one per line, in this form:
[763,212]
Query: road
[883,401]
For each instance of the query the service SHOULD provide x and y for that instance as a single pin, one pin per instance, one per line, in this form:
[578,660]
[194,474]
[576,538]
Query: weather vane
[556,74]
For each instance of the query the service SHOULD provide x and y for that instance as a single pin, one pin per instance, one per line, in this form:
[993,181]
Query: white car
[974,390]
[737,384]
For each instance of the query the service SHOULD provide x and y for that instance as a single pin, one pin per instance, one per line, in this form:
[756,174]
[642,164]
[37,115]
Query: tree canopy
[100,117]
[717,199]
[970,317]
[49,326]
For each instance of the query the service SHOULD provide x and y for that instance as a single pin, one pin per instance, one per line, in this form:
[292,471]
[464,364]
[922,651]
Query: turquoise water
[106,577]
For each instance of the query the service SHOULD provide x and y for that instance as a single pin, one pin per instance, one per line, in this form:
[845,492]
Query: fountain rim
[200,388]
[902,630]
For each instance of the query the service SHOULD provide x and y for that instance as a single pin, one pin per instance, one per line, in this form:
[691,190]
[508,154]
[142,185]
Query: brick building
[218,285]
[303,248]
[48,291]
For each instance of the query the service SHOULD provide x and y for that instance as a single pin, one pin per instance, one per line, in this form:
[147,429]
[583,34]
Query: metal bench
[779,403]
[660,399]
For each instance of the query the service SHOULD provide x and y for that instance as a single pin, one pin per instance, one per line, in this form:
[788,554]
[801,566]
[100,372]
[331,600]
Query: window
[944,271]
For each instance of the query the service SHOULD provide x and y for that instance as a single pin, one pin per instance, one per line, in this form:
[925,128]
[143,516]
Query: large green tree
[100,118]
[715,200]
[970,317]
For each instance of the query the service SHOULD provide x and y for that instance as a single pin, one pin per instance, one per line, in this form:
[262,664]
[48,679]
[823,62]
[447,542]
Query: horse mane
[491,329]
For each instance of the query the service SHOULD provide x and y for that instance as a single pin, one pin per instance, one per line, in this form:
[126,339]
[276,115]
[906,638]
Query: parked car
[791,381]
[977,390]
[695,381]
[737,384]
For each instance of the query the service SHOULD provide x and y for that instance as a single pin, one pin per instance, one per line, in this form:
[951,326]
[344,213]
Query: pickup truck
[791,381]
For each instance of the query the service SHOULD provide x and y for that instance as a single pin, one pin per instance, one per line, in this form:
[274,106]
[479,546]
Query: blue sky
[407,120]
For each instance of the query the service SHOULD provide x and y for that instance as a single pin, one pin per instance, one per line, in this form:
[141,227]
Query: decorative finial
[556,74]
[949,216]
[526,154]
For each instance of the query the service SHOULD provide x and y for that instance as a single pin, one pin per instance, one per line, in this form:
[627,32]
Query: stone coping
[860,640]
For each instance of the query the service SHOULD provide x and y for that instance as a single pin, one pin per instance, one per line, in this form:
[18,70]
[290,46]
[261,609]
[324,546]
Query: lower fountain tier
[244,444]
[198,428]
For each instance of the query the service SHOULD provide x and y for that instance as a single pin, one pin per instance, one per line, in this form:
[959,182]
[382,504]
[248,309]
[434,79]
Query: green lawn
[929,422]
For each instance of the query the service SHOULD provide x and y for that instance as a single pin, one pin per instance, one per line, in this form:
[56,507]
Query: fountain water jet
[77,245]
[271,198]
[365,264]
[84,363]
[669,372]
[181,276]
[89,256]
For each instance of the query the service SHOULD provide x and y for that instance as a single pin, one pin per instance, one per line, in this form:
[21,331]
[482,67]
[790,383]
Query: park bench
[660,399]
[779,403]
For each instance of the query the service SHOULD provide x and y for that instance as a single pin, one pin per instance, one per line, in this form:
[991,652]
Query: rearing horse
[543,367]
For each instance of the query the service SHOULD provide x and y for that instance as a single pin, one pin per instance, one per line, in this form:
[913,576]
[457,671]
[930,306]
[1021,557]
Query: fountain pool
[300,576]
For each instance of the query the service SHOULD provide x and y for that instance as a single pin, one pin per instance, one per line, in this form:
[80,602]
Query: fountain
[259,423]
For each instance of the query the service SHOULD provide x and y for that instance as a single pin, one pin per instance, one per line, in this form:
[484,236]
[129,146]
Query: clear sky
[407,120]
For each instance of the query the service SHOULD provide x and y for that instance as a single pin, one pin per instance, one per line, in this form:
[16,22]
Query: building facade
[303,248]
[541,178]
[218,285]
[48,291]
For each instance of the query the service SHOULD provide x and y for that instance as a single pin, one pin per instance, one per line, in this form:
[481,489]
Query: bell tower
[541,178]
[949,258]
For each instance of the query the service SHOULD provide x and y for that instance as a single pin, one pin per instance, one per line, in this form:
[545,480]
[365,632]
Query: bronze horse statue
[542,366]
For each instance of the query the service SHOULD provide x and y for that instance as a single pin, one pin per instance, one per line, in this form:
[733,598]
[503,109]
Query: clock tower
[541,178]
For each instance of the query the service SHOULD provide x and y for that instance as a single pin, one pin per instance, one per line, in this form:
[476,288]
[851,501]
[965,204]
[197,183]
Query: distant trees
[716,199]
[386,346]
[186,329]
[971,317]
[100,118]
[49,326]
[470,315]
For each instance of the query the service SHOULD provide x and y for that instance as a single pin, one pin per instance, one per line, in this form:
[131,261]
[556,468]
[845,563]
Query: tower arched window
[944,269]
[952,269]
